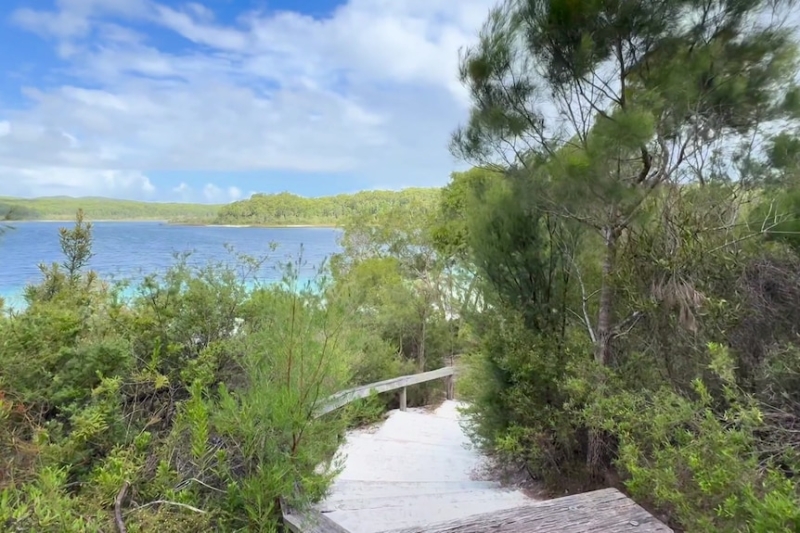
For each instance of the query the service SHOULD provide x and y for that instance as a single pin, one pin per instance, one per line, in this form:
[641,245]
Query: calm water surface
[130,250]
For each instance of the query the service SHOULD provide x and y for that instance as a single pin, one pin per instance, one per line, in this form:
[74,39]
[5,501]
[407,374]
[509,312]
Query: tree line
[261,209]
[64,209]
[286,208]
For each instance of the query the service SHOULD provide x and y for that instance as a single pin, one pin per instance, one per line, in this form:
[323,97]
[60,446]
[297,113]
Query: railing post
[449,387]
[403,398]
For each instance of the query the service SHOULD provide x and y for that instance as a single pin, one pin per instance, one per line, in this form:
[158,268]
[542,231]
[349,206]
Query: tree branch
[167,502]
[118,508]
[627,325]
[584,300]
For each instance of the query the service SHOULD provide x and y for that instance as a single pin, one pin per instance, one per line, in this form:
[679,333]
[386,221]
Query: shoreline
[14,298]
[172,223]
[104,220]
[322,226]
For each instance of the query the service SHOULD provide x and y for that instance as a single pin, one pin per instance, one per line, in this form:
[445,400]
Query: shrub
[519,404]
[195,400]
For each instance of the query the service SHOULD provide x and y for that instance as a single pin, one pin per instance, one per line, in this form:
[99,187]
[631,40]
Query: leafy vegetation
[286,209]
[191,406]
[11,211]
[260,210]
[64,208]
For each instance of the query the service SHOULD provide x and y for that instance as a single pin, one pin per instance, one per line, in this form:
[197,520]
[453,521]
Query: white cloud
[215,194]
[55,181]
[75,18]
[212,192]
[370,91]
[234,193]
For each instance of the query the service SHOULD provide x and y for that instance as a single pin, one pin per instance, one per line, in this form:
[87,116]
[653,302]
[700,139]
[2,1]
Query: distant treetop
[286,208]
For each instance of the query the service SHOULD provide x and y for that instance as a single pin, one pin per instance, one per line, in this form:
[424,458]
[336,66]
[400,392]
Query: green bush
[701,466]
[196,396]
[520,405]
[704,436]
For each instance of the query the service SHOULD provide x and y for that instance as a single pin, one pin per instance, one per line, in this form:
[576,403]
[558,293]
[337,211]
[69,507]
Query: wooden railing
[315,522]
[340,399]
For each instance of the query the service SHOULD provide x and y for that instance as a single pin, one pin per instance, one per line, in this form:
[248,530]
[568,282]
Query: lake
[131,250]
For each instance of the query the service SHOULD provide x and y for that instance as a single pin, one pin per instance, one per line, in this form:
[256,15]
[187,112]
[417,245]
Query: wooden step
[374,515]
[600,511]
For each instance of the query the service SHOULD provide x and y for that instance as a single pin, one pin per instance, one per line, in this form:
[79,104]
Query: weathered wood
[403,398]
[341,399]
[318,523]
[606,511]
[310,521]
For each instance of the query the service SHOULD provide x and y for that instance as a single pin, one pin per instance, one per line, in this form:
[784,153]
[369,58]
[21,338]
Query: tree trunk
[602,349]
[605,313]
[421,353]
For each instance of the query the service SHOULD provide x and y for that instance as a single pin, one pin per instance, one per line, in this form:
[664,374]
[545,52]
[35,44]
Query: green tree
[389,262]
[286,208]
[76,245]
[404,291]
[451,225]
[609,102]
[608,108]
[777,175]
[64,208]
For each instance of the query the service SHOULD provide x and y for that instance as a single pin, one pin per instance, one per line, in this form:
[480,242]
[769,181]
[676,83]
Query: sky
[211,101]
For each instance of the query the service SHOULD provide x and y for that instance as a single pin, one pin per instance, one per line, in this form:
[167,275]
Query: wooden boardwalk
[417,473]
[606,510]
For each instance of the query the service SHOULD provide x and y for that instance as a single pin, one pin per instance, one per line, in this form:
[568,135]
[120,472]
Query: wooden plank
[310,521]
[342,398]
[606,511]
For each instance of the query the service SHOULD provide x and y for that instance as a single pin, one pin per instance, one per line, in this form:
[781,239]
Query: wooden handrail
[340,399]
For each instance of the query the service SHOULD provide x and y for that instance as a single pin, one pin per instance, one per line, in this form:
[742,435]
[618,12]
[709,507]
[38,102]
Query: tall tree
[389,261]
[608,101]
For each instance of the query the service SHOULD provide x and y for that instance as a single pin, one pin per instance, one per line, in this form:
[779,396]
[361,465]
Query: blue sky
[211,101]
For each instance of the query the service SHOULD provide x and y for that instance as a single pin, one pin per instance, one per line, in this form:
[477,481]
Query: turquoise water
[128,251]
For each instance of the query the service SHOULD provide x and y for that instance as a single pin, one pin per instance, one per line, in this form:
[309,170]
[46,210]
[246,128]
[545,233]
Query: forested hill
[64,208]
[261,209]
[285,208]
